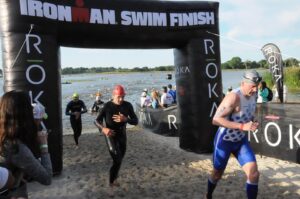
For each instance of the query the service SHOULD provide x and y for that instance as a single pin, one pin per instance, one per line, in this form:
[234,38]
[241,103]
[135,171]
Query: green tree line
[237,63]
[234,63]
[71,70]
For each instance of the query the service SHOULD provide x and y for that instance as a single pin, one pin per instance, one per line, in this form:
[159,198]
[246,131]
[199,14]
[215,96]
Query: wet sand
[155,167]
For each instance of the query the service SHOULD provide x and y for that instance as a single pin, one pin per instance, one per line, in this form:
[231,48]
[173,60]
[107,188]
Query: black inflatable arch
[32,32]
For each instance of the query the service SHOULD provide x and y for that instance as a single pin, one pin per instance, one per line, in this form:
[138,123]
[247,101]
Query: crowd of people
[156,99]
[23,140]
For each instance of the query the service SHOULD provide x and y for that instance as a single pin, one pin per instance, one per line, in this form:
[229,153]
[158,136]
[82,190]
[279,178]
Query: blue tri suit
[234,141]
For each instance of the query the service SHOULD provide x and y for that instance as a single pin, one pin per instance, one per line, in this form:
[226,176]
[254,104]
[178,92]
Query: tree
[263,63]
[225,66]
[235,62]
[291,62]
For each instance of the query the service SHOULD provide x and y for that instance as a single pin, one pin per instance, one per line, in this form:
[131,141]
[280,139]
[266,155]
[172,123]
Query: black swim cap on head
[252,76]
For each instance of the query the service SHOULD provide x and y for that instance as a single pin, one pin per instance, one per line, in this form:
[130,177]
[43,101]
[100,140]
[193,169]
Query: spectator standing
[145,100]
[155,99]
[166,98]
[172,93]
[21,143]
[262,92]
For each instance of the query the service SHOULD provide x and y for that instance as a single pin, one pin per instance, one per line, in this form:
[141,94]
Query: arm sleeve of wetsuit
[100,117]
[83,109]
[68,108]
[132,119]
[94,107]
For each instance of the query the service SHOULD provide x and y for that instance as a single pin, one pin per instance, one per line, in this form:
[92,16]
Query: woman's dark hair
[16,121]
[263,84]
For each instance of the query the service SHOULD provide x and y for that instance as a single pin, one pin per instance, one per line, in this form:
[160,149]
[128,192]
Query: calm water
[88,84]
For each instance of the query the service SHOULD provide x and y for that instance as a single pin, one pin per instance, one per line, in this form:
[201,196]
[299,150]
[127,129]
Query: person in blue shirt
[172,93]
[235,116]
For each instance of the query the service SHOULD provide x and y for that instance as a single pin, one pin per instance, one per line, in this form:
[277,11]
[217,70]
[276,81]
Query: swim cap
[98,94]
[119,90]
[75,96]
[144,94]
[252,76]
[145,90]
[39,111]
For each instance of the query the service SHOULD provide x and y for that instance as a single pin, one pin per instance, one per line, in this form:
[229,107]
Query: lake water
[88,84]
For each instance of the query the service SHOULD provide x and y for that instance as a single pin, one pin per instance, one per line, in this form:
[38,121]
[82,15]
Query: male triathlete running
[75,108]
[116,114]
[235,115]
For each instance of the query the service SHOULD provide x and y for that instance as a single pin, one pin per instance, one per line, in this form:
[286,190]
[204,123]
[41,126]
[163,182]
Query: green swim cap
[75,96]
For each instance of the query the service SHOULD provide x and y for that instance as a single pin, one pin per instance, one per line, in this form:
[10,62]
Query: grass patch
[291,79]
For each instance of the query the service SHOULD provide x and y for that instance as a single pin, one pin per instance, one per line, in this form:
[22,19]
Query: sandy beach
[155,167]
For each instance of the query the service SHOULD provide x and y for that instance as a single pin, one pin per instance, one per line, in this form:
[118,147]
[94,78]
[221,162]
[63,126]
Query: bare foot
[111,191]
[115,184]
[206,196]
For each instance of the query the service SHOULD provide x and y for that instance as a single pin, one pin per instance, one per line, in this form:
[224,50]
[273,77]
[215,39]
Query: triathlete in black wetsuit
[75,108]
[98,104]
[116,114]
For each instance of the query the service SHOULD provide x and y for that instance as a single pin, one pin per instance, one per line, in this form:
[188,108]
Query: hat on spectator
[144,94]
[39,111]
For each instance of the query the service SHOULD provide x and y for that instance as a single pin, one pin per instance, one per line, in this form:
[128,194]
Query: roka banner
[274,59]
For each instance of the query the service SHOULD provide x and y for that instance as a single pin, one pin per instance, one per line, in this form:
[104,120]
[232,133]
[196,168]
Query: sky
[245,26]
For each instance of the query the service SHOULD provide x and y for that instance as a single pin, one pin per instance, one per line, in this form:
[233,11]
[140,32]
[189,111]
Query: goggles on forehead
[255,80]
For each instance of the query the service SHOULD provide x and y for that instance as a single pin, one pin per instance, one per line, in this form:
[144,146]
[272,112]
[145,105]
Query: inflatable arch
[32,32]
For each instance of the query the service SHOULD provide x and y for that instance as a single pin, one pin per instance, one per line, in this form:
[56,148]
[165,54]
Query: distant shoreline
[119,72]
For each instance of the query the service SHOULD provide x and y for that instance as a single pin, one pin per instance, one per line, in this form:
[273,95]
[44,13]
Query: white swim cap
[144,94]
